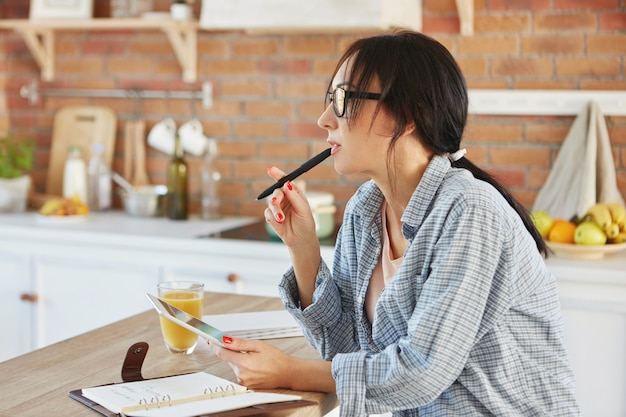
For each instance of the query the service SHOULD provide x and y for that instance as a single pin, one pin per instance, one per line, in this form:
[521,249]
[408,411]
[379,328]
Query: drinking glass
[189,297]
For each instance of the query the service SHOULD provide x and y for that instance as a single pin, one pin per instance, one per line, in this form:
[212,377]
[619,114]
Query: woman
[439,302]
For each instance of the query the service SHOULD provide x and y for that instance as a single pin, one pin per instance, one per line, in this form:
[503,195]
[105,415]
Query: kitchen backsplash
[268,90]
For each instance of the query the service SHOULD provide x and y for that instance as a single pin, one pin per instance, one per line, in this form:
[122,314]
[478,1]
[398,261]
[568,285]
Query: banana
[600,214]
[620,238]
[612,231]
[618,213]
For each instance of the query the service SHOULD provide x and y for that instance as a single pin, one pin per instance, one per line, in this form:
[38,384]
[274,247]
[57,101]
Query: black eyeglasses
[339,97]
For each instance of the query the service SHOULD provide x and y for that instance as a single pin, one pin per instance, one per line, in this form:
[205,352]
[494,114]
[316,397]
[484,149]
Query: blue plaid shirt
[470,325]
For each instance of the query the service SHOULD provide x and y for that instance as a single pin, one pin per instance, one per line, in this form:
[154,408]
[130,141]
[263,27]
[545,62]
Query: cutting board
[79,126]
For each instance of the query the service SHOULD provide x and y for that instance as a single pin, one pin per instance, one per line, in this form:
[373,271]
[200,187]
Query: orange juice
[177,338]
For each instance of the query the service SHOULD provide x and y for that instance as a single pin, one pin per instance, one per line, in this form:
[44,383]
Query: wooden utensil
[79,126]
[140,176]
[129,129]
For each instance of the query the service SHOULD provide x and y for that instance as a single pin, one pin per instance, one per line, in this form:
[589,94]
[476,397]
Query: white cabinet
[62,281]
[78,295]
[593,301]
[15,308]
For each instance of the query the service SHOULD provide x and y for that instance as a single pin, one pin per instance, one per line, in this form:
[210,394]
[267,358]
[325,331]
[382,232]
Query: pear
[543,222]
[589,233]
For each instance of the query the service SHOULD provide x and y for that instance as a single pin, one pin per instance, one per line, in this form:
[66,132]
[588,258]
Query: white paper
[181,387]
[256,325]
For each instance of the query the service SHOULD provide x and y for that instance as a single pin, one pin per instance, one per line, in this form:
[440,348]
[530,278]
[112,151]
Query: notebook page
[256,325]
[118,396]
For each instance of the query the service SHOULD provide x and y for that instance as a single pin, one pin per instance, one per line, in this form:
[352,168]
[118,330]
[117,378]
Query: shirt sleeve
[326,324]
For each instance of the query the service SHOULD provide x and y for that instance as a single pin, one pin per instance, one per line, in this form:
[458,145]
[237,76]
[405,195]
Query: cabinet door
[15,306]
[78,295]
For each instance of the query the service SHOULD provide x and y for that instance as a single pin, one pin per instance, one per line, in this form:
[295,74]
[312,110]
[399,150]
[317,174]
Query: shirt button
[359,299]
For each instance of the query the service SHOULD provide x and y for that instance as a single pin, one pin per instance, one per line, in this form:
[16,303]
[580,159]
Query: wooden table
[37,384]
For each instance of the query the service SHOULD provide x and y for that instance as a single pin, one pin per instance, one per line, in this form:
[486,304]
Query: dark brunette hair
[421,86]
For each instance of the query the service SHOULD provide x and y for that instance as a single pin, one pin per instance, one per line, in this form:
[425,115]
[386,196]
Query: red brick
[269,109]
[587,67]
[309,45]
[289,67]
[246,88]
[509,177]
[585,4]
[551,44]
[494,133]
[440,24]
[474,67]
[298,150]
[231,67]
[606,44]
[613,21]
[254,46]
[523,5]
[565,22]
[439,6]
[519,156]
[502,23]
[543,133]
[311,109]
[602,85]
[522,66]
[304,88]
[489,45]
[263,130]
[303,130]
[209,45]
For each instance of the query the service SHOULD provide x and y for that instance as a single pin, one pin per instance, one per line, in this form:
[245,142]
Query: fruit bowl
[570,250]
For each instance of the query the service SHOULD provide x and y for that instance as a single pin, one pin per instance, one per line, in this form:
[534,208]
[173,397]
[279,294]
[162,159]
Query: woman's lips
[335,147]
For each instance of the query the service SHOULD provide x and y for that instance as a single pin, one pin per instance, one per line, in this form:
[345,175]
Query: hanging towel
[584,171]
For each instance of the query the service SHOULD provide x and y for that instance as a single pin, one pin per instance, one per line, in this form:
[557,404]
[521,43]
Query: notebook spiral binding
[166,400]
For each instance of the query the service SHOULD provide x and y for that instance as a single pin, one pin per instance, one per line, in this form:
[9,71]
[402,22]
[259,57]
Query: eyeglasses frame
[347,95]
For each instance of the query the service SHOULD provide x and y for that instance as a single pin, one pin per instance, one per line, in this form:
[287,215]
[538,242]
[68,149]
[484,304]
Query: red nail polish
[227,339]
[279,217]
[274,200]
[289,185]
[208,342]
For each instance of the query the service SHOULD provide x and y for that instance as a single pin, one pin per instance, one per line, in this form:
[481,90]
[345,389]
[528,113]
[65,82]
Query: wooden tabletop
[37,384]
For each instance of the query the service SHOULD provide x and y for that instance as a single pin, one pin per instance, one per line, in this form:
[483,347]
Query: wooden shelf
[465,9]
[39,38]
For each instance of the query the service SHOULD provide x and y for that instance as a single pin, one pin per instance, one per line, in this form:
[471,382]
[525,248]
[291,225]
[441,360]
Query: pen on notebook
[316,160]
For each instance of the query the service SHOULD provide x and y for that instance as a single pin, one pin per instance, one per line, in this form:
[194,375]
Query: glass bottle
[177,184]
[99,180]
[210,179]
[75,175]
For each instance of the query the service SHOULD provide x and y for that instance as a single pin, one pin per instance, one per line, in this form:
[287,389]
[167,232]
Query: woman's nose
[327,119]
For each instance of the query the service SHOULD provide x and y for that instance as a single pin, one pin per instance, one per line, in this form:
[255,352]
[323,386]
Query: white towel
[584,171]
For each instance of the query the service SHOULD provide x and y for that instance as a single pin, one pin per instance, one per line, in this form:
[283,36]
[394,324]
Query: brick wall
[268,89]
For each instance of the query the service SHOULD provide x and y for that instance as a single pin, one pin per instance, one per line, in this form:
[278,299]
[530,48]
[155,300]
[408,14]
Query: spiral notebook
[188,395]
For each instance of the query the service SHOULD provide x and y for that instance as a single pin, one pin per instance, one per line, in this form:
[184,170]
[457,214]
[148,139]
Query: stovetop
[257,232]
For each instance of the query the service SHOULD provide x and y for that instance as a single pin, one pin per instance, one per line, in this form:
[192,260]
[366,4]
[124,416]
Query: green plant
[16,156]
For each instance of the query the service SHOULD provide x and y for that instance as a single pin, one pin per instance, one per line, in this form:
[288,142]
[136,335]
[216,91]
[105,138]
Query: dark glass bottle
[177,184]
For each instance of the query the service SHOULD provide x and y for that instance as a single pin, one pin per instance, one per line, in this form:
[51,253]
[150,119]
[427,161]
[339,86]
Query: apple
[543,222]
[589,233]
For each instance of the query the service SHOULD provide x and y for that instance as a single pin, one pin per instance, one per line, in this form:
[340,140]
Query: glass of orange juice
[189,297]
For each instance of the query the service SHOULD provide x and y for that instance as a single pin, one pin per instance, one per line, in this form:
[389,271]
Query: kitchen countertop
[120,223]
[37,383]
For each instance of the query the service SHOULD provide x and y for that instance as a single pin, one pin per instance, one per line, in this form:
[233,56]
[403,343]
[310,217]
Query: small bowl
[146,201]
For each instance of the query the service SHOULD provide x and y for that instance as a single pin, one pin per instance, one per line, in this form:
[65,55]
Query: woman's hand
[288,212]
[256,364]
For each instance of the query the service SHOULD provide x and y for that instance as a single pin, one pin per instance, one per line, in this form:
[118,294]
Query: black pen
[316,160]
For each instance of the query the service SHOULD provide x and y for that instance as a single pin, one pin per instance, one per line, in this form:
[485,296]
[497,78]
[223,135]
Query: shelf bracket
[465,10]
[184,42]
[40,42]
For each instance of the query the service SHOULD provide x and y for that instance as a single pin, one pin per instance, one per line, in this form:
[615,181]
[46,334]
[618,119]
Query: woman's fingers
[275,173]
